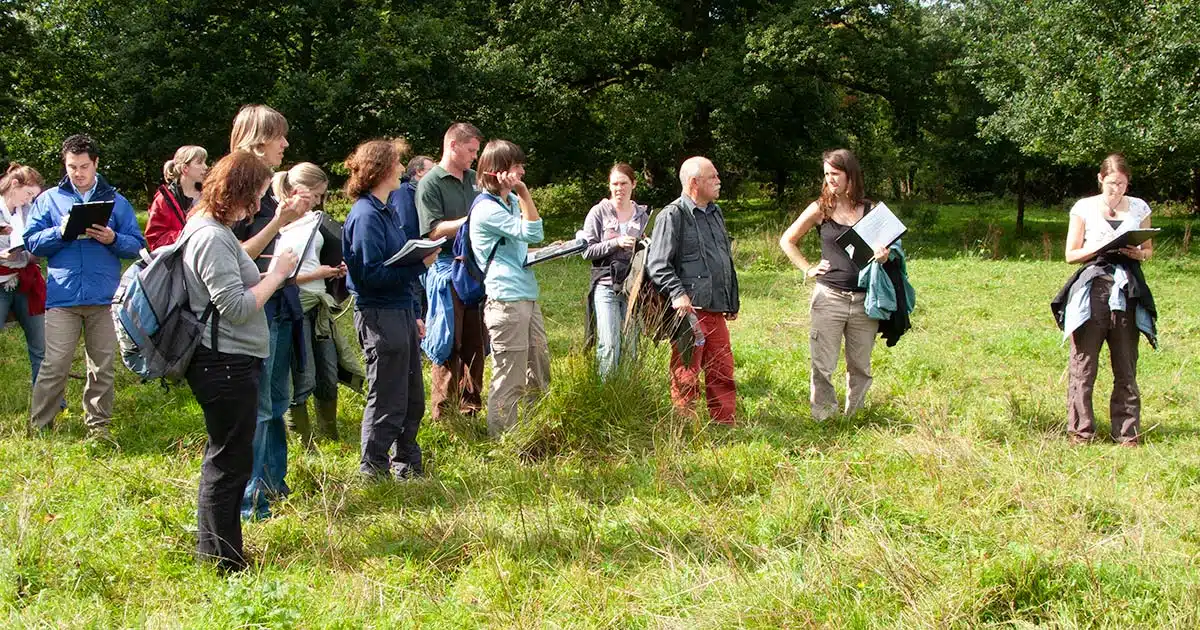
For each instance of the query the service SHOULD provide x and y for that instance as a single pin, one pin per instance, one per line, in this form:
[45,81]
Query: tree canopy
[939,99]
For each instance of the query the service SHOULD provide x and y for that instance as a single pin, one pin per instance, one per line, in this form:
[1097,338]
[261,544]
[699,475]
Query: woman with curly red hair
[224,373]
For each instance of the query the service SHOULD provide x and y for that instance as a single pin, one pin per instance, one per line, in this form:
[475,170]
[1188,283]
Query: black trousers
[226,386]
[395,389]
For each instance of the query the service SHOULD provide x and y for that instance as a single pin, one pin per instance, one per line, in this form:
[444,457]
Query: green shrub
[566,200]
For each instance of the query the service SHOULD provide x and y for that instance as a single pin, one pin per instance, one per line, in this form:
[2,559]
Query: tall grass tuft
[625,415]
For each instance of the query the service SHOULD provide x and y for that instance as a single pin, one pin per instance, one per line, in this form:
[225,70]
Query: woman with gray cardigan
[612,229]
[224,373]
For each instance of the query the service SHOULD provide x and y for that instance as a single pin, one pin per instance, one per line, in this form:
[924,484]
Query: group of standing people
[239,226]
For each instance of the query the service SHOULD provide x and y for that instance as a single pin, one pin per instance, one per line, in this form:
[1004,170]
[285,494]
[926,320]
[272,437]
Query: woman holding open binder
[314,373]
[1107,299]
[386,313]
[837,309]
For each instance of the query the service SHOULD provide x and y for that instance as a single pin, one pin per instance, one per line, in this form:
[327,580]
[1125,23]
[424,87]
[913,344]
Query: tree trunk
[781,180]
[1196,190]
[1020,199]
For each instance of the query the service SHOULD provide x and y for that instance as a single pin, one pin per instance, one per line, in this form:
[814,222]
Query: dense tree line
[941,99]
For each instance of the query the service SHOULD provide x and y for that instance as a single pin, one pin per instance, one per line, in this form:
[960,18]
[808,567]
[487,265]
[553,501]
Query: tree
[1075,80]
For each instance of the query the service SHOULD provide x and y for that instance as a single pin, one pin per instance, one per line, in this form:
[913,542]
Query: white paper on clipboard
[301,238]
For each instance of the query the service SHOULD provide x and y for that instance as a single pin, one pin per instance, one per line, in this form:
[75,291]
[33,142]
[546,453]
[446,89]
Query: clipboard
[1129,238]
[308,236]
[878,227]
[414,251]
[555,251]
[84,215]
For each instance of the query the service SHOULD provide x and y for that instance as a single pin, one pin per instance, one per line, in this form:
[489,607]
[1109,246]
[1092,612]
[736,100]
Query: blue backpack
[465,274]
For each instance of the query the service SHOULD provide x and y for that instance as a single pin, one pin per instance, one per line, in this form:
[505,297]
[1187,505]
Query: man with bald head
[690,262]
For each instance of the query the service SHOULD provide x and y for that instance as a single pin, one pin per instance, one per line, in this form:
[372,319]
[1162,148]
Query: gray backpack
[156,328]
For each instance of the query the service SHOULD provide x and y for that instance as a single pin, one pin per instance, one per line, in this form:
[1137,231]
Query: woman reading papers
[1107,299]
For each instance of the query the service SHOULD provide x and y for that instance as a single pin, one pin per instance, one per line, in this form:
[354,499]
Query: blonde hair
[184,155]
[254,126]
[304,174]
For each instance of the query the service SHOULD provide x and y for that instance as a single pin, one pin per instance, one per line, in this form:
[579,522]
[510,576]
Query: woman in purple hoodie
[612,229]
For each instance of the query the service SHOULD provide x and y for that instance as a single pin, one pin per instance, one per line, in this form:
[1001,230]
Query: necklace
[1110,212]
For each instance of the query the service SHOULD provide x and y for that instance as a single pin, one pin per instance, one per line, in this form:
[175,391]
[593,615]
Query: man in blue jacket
[83,275]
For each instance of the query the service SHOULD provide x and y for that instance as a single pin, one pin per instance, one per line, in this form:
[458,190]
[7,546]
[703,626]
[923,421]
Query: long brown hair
[233,188]
[20,175]
[844,161]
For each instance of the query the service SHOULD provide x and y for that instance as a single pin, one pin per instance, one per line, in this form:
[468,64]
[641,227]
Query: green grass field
[953,501]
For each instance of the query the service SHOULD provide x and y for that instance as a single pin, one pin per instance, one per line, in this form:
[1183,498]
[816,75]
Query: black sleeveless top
[843,273]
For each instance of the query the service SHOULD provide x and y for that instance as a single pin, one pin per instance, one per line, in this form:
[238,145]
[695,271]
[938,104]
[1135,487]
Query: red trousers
[715,357]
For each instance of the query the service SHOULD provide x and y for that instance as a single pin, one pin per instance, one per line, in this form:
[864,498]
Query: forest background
[943,101]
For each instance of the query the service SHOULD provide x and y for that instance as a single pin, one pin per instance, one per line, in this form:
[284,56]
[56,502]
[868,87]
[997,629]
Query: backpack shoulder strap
[503,240]
[211,314]
[169,198]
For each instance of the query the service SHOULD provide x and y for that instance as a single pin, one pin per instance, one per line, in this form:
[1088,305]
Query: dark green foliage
[763,86]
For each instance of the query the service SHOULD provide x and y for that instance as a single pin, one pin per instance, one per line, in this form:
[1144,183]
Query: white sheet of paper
[879,227]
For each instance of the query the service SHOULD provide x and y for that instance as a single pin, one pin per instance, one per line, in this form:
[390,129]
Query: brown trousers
[1119,329]
[460,379]
[63,327]
[520,360]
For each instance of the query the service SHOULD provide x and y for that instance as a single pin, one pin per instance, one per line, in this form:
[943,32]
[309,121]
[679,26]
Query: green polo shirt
[442,196]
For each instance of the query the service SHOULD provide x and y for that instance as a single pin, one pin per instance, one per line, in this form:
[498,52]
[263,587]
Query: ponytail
[20,175]
[173,168]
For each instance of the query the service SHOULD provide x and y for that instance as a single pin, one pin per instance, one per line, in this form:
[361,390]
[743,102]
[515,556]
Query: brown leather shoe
[1079,440]
[1130,443]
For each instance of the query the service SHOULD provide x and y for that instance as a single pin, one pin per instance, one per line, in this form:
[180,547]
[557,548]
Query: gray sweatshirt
[216,269]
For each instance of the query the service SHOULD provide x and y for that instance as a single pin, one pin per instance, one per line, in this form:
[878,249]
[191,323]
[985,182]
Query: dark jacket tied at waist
[1137,293]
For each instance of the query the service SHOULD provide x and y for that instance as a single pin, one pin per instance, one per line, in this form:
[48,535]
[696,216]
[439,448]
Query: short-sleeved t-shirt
[444,197]
[1096,228]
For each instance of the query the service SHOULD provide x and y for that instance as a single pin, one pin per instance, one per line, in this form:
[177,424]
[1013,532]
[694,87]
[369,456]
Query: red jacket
[168,213]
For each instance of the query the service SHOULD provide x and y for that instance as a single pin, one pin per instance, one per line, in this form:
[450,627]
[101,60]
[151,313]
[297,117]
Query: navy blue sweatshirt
[373,233]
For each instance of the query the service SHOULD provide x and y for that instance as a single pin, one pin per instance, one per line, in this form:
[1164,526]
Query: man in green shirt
[444,198]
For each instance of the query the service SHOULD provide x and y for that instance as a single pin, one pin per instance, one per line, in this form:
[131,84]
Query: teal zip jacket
[881,301]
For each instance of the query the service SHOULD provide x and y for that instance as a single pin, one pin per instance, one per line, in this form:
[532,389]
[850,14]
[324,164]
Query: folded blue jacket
[439,321]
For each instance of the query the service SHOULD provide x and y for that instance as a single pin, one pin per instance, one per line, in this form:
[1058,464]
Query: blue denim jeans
[270,433]
[610,317]
[320,372]
[35,332]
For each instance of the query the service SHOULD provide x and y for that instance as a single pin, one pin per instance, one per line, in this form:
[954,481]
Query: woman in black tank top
[842,273]
[836,310]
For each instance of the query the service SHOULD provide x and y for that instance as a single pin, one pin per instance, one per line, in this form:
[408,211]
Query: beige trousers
[838,315]
[520,359]
[63,326]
